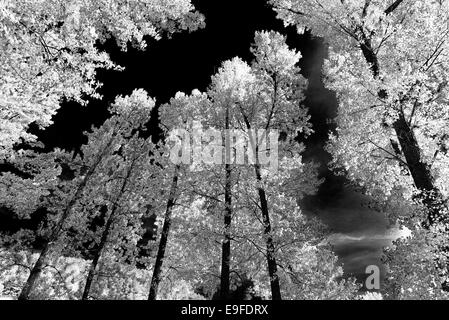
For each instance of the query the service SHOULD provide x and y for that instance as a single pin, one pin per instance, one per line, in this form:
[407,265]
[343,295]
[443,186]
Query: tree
[226,88]
[126,179]
[105,141]
[35,178]
[49,51]
[307,267]
[412,272]
[191,242]
[276,106]
[177,115]
[388,64]
[268,96]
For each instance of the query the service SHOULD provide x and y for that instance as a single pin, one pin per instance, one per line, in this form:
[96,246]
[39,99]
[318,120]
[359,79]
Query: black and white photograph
[244,152]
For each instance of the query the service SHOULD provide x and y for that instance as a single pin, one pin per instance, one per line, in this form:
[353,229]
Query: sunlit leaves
[49,51]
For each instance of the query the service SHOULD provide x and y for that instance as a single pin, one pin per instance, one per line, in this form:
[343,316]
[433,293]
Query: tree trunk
[35,272]
[271,259]
[97,256]
[156,279]
[48,247]
[105,235]
[422,177]
[423,180]
[226,246]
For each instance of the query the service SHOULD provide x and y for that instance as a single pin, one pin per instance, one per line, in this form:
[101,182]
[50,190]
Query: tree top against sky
[49,52]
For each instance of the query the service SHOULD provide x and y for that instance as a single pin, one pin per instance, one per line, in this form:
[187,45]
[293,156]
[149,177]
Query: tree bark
[393,6]
[56,233]
[97,256]
[271,259]
[226,246]
[420,172]
[156,279]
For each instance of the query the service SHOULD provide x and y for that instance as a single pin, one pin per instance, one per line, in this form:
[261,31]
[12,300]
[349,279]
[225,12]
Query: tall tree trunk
[226,246]
[431,196]
[105,235]
[156,279]
[271,258]
[97,256]
[56,233]
[422,177]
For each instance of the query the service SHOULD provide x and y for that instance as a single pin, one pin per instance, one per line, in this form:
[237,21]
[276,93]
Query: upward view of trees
[49,52]
[136,215]
[389,63]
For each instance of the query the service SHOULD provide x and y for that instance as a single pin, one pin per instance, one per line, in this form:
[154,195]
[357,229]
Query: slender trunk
[56,233]
[156,279]
[97,256]
[105,235]
[271,259]
[226,246]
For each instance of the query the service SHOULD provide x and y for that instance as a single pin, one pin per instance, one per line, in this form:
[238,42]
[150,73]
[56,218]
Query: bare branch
[393,7]
[365,8]
[388,152]
[289,10]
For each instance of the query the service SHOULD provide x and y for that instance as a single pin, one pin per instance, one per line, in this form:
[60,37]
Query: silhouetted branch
[393,7]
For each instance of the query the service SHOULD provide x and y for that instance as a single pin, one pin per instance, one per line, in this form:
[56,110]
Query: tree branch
[388,152]
[365,8]
[393,7]
[289,10]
